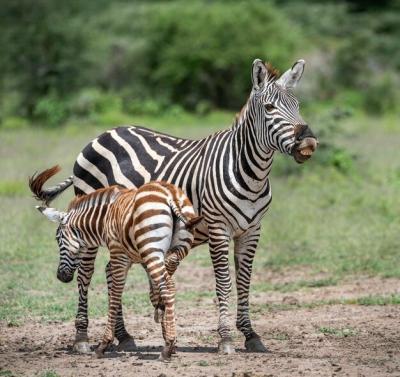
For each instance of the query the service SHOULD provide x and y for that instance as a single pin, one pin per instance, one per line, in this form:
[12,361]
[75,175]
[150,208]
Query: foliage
[43,50]
[50,110]
[147,58]
[186,52]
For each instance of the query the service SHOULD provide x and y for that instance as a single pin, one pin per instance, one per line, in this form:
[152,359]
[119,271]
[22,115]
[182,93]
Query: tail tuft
[189,222]
[37,181]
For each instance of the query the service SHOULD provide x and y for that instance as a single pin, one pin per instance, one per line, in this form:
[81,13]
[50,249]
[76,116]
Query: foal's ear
[52,214]
[194,221]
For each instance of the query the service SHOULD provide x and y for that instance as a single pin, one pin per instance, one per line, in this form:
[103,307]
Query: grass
[340,333]
[372,300]
[293,286]
[332,223]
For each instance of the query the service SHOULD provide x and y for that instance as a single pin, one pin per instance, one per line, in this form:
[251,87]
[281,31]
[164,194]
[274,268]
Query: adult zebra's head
[276,111]
[70,243]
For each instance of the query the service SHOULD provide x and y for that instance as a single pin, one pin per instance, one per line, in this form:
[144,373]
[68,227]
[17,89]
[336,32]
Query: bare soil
[327,340]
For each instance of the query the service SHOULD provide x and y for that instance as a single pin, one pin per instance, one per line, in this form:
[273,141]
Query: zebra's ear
[258,74]
[292,76]
[52,214]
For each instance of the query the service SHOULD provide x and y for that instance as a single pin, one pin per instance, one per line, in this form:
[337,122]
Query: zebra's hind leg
[245,248]
[219,249]
[126,343]
[85,272]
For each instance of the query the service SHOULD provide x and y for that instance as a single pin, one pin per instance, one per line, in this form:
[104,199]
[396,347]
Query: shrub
[382,94]
[188,52]
[51,110]
[91,101]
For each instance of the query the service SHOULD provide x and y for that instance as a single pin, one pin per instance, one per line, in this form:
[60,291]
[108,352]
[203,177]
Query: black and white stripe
[225,176]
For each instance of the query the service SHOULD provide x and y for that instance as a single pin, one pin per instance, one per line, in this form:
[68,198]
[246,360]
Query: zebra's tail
[177,210]
[37,181]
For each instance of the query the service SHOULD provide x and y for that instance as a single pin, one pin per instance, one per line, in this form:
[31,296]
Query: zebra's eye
[270,107]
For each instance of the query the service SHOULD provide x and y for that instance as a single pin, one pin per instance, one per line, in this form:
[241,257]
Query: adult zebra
[225,175]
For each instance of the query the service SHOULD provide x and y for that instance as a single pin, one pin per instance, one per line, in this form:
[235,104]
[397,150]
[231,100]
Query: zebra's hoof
[81,347]
[127,345]
[166,353]
[226,347]
[100,349]
[254,344]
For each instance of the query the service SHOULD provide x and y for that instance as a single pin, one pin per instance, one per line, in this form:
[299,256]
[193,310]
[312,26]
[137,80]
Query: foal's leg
[154,296]
[174,257]
[166,287]
[120,264]
[85,272]
[125,340]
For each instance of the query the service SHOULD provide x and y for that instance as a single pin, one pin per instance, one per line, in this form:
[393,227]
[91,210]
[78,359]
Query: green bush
[382,94]
[145,107]
[51,110]
[91,101]
[188,52]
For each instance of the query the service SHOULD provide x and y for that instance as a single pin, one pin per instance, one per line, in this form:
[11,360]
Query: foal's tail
[177,210]
[37,181]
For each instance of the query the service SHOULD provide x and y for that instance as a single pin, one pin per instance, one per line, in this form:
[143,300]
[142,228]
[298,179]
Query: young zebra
[153,226]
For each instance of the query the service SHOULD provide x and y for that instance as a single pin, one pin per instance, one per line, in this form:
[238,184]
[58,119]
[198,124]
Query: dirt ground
[327,340]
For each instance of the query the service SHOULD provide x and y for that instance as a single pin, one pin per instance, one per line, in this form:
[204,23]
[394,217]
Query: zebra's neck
[251,160]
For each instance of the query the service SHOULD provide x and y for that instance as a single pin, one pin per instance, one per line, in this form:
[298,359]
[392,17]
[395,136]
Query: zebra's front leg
[119,266]
[245,248]
[126,342]
[85,272]
[219,251]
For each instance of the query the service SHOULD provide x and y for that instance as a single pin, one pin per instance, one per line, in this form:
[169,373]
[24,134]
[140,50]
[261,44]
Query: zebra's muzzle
[64,276]
[306,144]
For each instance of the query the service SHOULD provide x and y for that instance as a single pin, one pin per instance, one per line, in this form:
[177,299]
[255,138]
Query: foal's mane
[107,194]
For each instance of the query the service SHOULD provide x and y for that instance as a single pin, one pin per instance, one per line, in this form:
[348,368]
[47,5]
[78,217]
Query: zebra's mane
[273,73]
[106,195]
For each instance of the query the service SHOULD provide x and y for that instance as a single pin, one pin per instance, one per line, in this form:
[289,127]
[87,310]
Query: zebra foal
[152,225]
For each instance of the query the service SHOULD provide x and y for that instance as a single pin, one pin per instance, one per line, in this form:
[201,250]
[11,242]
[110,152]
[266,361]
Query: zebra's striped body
[152,226]
[225,176]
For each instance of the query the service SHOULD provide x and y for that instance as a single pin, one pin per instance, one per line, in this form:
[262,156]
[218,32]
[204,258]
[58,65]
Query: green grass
[373,300]
[325,221]
[293,286]
[340,333]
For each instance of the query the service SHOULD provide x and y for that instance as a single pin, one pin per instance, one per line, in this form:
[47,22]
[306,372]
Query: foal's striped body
[151,226]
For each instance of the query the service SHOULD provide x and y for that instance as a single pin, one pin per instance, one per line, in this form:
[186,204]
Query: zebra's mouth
[304,150]
[64,276]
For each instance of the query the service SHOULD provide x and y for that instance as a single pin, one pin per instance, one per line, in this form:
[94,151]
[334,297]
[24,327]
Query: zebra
[225,175]
[153,225]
